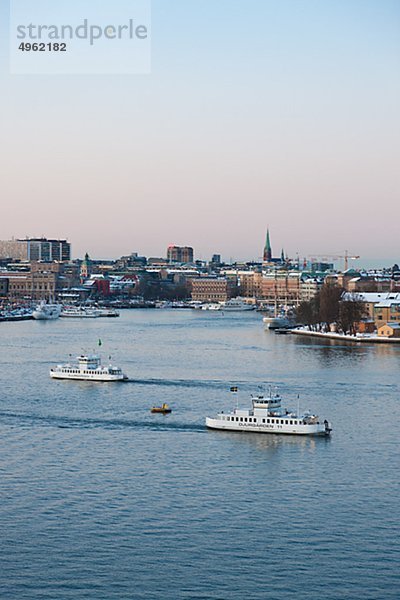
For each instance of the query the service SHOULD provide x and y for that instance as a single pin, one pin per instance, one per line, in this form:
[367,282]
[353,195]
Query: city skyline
[265,114]
[175,253]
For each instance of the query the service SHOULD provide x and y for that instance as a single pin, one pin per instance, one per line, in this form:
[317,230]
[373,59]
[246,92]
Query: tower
[85,268]
[267,249]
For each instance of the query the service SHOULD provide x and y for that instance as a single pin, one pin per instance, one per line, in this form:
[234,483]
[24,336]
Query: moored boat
[45,311]
[236,305]
[267,416]
[80,312]
[277,322]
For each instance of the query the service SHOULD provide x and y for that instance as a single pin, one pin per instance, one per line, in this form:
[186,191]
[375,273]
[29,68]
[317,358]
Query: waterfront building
[281,287]
[309,288]
[39,283]
[213,289]
[390,330]
[180,254]
[387,311]
[250,284]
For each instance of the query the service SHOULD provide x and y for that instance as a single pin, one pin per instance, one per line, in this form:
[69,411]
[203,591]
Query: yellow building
[390,330]
[386,311]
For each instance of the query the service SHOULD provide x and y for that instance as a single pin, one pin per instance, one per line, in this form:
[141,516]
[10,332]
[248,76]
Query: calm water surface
[102,500]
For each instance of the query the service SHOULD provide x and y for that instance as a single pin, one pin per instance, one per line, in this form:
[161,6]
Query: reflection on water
[272,442]
[102,499]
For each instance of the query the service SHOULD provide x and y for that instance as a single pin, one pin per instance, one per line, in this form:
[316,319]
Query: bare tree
[330,296]
[350,313]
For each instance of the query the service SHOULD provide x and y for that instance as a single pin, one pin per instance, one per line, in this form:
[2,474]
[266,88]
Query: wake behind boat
[267,416]
[89,368]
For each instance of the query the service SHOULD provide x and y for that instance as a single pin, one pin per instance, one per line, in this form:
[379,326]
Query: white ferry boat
[278,322]
[80,312]
[236,304]
[268,416]
[46,311]
[89,368]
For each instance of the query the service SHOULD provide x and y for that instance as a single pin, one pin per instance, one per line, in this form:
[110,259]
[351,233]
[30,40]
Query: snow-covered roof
[387,303]
[393,325]
[373,297]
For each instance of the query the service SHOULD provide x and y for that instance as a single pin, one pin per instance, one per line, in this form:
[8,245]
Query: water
[102,500]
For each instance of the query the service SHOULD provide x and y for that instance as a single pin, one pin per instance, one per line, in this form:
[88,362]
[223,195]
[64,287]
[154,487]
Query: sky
[256,113]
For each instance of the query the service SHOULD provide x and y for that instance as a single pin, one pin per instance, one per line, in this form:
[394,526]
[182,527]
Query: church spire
[267,250]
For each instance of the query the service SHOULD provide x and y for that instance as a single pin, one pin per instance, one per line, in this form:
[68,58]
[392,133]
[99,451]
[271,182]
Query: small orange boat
[164,409]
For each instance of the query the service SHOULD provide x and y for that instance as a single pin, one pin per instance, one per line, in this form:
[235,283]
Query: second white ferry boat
[267,416]
[89,368]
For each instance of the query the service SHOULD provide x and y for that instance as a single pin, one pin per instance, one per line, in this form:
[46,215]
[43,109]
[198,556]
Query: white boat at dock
[237,304]
[89,368]
[47,311]
[267,416]
[80,312]
[278,322]
[232,305]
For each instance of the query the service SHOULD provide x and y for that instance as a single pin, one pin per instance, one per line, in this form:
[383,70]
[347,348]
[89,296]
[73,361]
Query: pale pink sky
[280,116]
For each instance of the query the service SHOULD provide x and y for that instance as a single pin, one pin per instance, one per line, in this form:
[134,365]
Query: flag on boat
[100,342]
[234,388]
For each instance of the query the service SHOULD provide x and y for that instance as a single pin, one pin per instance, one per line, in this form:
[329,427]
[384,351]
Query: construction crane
[326,257]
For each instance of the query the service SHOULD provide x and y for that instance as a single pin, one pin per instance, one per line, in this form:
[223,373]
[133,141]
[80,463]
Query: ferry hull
[45,317]
[307,429]
[93,377]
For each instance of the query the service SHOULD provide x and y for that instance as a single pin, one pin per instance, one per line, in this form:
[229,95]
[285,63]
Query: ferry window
[237,418]
[263,420]
[286,422]
[291,422]
[245,419]
[241,418]
[267,420]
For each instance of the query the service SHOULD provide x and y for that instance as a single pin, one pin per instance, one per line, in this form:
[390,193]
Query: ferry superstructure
[80,312]
[89,368]
[232,305]
[267,416]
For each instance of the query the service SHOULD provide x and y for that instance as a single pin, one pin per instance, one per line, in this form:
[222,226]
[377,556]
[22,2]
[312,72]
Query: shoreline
[346,338]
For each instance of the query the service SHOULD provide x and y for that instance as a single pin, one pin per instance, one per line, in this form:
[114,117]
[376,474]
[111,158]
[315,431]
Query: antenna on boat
[298,406]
